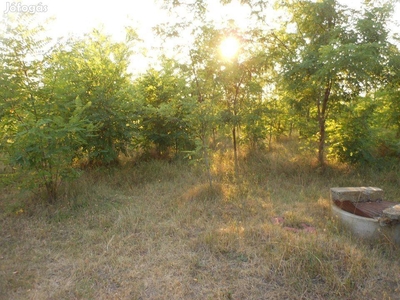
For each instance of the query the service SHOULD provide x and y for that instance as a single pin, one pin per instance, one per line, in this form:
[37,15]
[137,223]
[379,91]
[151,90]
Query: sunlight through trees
[319,70]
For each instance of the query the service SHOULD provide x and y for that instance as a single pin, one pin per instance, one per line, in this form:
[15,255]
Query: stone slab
[392,213]
[356,194]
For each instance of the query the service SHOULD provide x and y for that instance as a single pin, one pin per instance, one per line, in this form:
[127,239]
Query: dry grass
[158,231]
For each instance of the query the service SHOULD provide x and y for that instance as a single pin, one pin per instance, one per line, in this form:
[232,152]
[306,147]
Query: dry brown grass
[158,231]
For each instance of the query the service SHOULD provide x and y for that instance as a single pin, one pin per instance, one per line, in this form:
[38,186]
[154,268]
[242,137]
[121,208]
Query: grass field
[156,230]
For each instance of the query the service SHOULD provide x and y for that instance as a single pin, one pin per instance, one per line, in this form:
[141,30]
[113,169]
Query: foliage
[352,138]
[37,135]
[74,101]
[328,56]
[94,69]
[164,109]
[46,146]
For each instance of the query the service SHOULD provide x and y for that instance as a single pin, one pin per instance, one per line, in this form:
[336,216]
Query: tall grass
[157,230]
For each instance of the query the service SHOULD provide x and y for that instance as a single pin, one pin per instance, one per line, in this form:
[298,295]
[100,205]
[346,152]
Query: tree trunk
[270,138]
[206,160]
[321,142]
[322,111]
[235,149]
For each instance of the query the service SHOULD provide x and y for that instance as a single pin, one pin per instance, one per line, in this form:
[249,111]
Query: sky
[80,16]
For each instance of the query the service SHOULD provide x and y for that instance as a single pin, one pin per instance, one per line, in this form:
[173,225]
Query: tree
[163,105]
[389,94]
[200,71]
[94,69]
[35,133]
[327,56]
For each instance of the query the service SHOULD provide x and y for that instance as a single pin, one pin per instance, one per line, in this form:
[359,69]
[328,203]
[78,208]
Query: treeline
[328,73]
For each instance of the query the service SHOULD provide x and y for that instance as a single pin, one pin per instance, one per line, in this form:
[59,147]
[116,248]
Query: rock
[392,213]
[356,194]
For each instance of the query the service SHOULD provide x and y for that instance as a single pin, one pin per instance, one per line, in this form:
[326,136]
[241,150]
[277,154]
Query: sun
[229,47]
